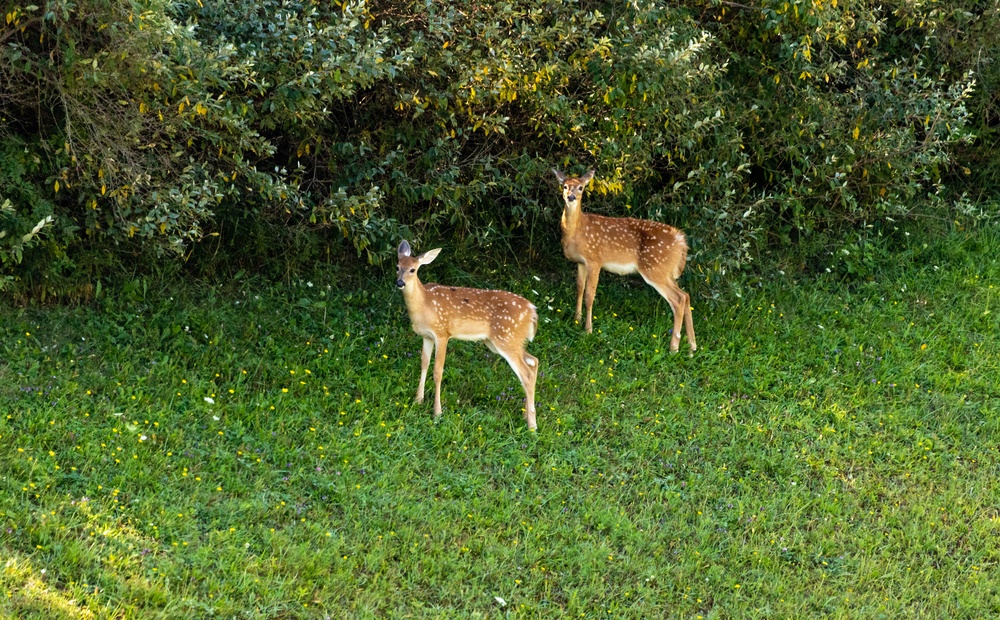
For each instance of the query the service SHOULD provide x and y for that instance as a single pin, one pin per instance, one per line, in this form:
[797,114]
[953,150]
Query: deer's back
[626,245]
[480,314]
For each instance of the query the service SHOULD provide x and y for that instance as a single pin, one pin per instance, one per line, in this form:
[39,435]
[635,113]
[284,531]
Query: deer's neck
[571,217]
[414,295]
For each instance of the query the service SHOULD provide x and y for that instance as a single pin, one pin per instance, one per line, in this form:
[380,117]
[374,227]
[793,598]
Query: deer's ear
[587,177]
[428,256]
[404,248]
[560,176]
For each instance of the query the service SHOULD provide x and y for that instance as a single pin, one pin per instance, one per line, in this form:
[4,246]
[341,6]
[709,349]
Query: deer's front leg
[581,283]
[440,350]
[593,275]
[425,360]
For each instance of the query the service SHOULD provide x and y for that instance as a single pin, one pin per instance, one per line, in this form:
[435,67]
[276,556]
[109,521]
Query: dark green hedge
[812,128]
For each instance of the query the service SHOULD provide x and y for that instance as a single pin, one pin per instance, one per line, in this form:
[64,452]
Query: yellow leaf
[180,108]
[103,189]
[777,79]
[163,227]
[57,187]
[857,132]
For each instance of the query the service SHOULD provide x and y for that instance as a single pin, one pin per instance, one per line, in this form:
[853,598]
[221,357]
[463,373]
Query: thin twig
[741,6]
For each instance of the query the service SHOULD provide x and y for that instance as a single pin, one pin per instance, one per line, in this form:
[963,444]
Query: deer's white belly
[620,268]
[473,336]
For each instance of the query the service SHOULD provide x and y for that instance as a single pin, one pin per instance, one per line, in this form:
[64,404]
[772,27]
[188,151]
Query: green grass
[830,451]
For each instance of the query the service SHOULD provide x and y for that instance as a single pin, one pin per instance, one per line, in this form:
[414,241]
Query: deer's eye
[566,186]
[413,271]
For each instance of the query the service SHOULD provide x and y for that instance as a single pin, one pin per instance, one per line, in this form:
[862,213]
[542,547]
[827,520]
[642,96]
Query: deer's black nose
[399,283]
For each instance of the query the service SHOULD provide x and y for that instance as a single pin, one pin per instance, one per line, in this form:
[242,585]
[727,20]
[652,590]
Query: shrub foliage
[812,126]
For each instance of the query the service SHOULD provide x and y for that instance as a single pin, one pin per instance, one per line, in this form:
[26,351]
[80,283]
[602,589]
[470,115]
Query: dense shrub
[854,114]
[813,127]
[119,129]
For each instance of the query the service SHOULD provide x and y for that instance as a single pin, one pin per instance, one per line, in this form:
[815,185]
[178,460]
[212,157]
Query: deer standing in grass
[623,245]
[438,313]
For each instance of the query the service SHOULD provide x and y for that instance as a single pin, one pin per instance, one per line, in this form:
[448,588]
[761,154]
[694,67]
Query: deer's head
[572,187]
[407,265]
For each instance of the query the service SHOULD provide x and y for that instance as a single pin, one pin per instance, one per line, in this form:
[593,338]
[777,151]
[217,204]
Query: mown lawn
[830,451]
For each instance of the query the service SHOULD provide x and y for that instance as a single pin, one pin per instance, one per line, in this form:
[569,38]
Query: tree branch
[15,29]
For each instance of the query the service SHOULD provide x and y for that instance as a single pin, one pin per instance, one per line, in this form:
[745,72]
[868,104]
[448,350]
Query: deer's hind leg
[689,323]
[525,366]
[531,366]
[680,305]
